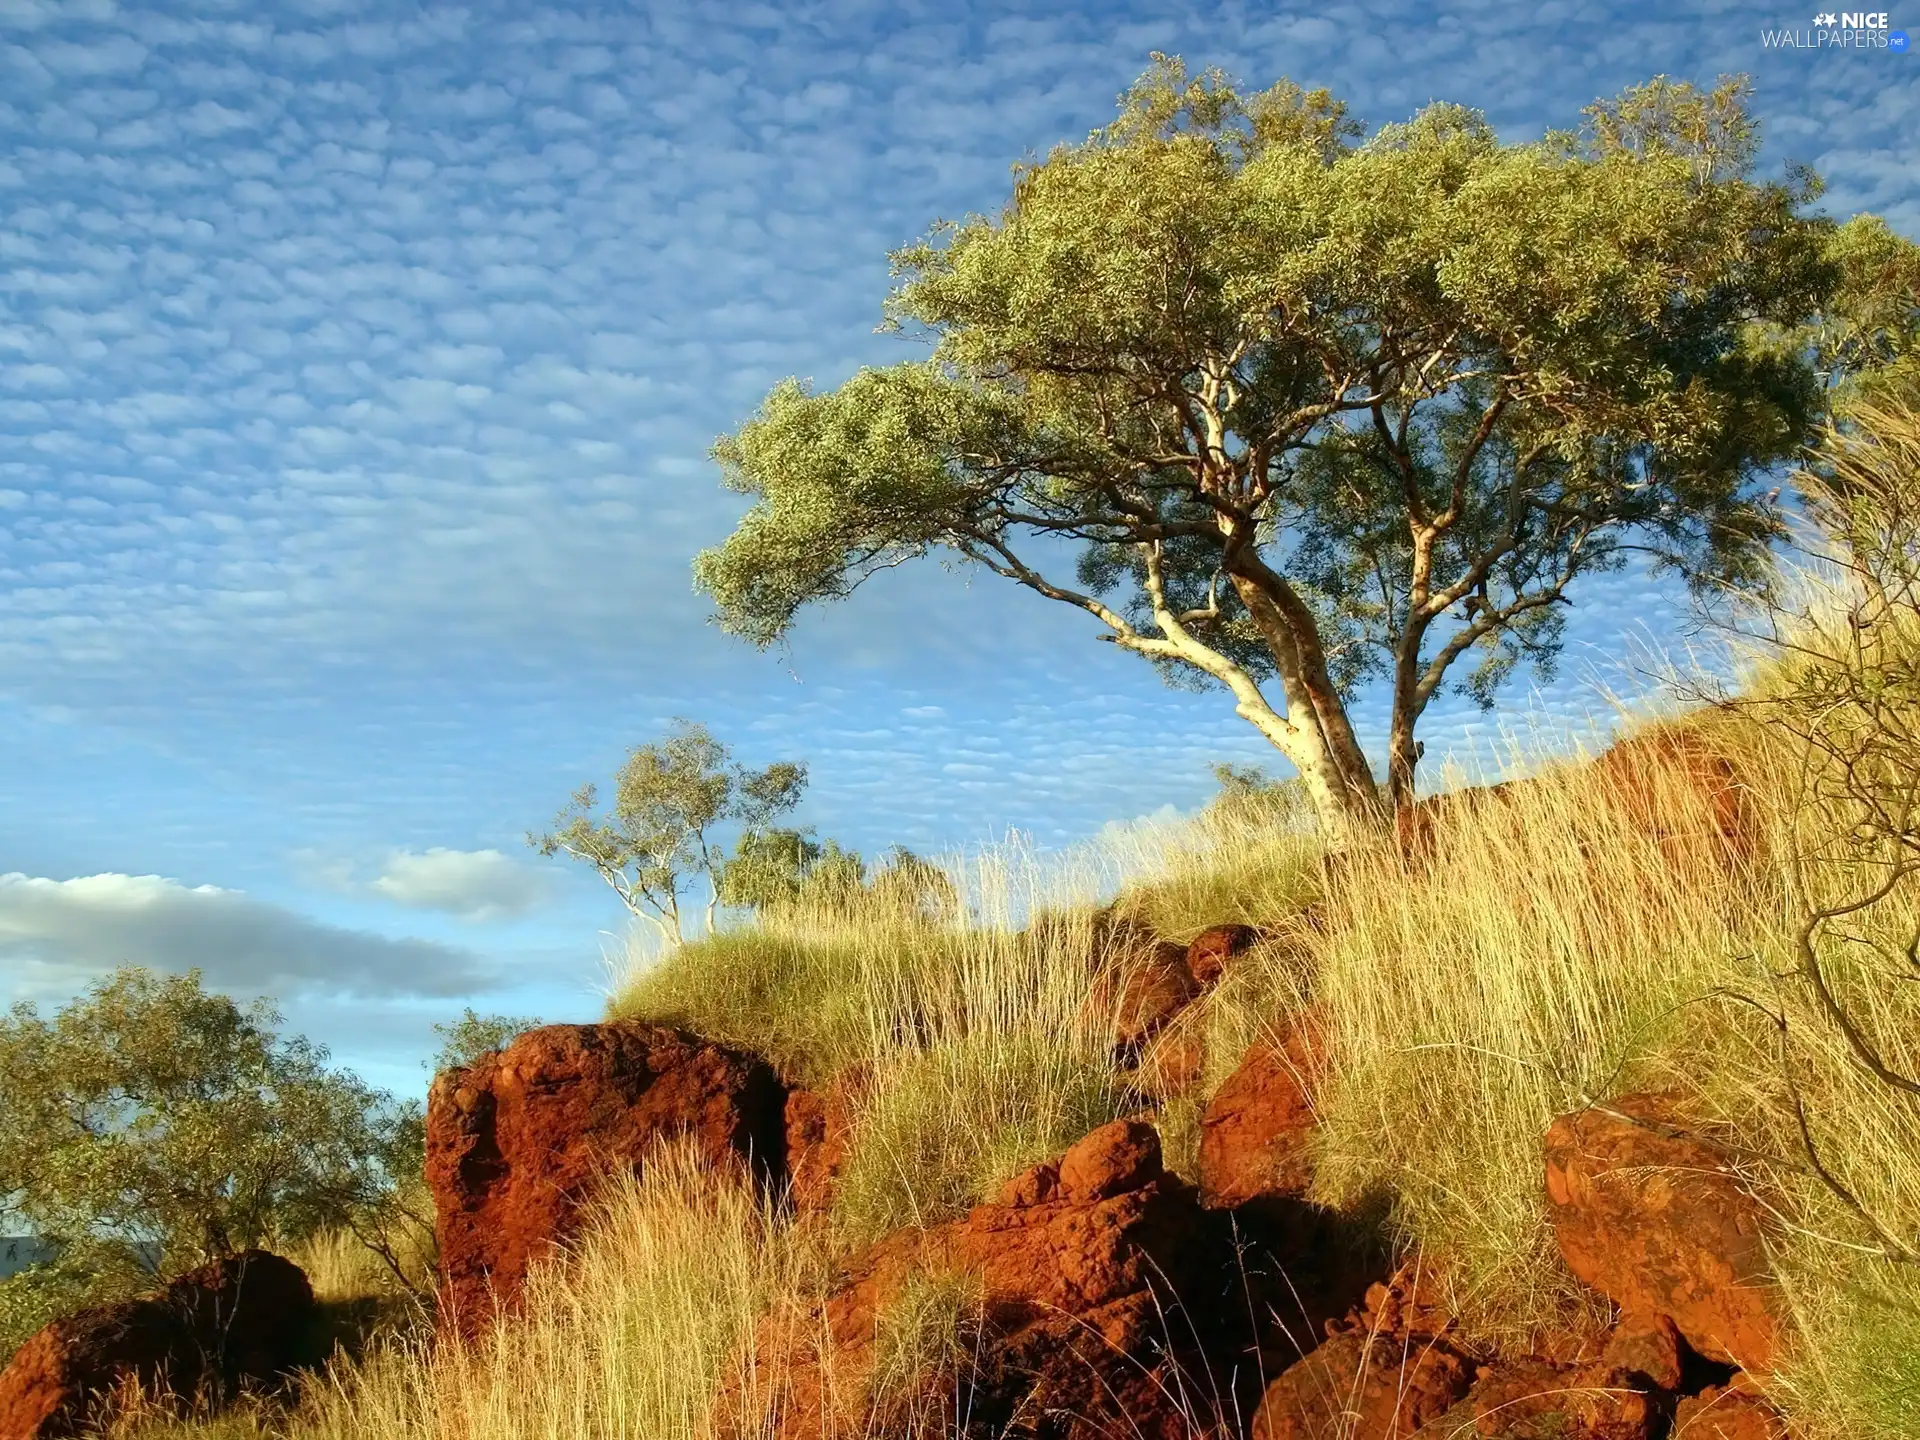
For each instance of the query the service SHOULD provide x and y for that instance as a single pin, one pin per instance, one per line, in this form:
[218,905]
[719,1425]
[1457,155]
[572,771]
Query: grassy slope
[1557,954]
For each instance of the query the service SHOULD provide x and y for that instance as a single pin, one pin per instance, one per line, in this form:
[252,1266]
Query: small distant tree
[916,886]
[152,1110]
[776,868]
[772,867]
[465,1040]
[672,800]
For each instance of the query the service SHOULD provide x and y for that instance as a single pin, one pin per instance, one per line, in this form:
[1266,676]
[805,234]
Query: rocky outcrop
[1674,786]
[1399,1367]
[519,1140]
[1145,983]
[1093,1293]
[1213,950]
[1729,1412]
[1654,1217]
[1388,1369]
[238,1322]
[1256,1132]
[1668,783]
[819,1131]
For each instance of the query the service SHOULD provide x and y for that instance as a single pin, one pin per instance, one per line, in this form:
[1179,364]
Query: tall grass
[977,1045]
[629,1337]
[1552,953]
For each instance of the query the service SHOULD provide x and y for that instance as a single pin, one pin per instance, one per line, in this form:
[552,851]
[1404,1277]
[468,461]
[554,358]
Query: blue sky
[358,363]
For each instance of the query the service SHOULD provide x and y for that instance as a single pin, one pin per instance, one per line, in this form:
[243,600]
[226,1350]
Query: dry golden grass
[628,1336]
[1554,953]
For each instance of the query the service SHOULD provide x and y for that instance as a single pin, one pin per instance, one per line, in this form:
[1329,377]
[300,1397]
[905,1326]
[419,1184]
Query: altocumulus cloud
[468,884]
[54,933]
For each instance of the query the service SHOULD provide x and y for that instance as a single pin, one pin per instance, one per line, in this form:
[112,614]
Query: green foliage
[465,1040]
[88,1271]
[151,1109]
[774,868]
[781,867]
[669,800]
[1871,330]
[1315,409]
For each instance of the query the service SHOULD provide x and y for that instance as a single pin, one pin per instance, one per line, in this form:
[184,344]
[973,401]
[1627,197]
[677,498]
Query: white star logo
[1827,20]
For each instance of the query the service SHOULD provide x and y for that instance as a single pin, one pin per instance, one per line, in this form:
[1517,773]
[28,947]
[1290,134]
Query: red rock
[1410,1302]
[1535,1399]
[519,1140]
[237,1322]
[1670,784]
[1646,1347]
[1118,1157]
[1171,1065]
[1143,993]
[1658,1222]
[819,1128]
[1731,1412]
[1212,950]
[1362,1387]
[1256,1131]
[1076,1273]
[1676,787]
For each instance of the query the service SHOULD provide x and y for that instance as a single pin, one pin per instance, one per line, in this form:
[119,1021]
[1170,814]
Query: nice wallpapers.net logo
[1846,30]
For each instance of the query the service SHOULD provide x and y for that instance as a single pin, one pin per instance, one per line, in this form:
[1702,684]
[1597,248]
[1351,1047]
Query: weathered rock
[1688,796]
[1211,951]
[1143,992]
[1645,1348]
[1729,1412]
[1656,1220]
[519,1140]
[1670,784]
[1535,1399]
[1089,1282]
[238,1322]
[819,1129]
[1256,1131]
[1171,1065]
[1357,1387]
[1113,1159]
[1390,1367]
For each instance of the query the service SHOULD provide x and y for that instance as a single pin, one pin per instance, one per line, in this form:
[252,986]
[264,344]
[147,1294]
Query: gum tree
[1285,409]
[661,828]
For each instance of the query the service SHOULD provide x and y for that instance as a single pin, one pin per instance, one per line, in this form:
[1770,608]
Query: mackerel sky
[358,365]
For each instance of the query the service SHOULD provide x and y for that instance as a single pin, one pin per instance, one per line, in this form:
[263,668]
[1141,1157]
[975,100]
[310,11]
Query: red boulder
[1655,1218]
[1255,1133]
[1731,1412]
[819,1130]
[519,1140]
[1211,951]
[1687,796]
[238,1322]
[1073,1279]
[1362,1387]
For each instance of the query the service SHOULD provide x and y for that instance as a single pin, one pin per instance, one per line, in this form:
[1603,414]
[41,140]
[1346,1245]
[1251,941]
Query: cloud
[469,884]
[55,934]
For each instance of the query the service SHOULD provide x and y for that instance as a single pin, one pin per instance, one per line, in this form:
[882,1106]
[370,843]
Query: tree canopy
[1287,408]
[152,1110]
[671,800]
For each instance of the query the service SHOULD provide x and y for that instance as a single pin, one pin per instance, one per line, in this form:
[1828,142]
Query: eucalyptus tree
[671,801]
[1285,407]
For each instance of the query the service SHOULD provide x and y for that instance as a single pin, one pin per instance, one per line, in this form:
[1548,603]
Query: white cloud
[56,934]
[470,884]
